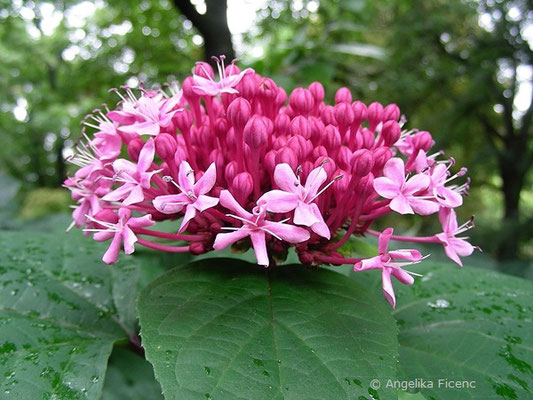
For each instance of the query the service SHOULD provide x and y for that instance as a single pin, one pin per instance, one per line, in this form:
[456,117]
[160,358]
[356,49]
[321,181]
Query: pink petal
[119,193]
[204,202]
[401,205]
[190,213]
[136,196]
[224,240]
[384,239]
[423,207]
[228,201]
[402,276]
[285,178]
[278,201]
[186,177]
[259,245]
[368,263]
[122,165]
[146,156]
[304,214]
[461,247]
[448,220]
[121,117]
[142,128]
[406,254]
[447,197]
[111,255]
[207,181]
[450,252]
[394,169]
[287,232]
[386,188]
[141,222]
[321,229]
[315,179]
[129,239]
[416,183]
[170,204]
[103,236]
[386,284]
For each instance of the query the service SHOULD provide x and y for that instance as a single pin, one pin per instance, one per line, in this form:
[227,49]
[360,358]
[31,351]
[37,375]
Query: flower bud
[300,126]
[344,158]
[180,155]
[204,70]
[301,101]
[197,248]
[381,156]
[232,69]
[328,164]
[307,167]
[360,112]
[319,151]
[256,131]
[239,112]
[332,137]
[328,115]
[362,162]
[216,156]
[369,138]
[281,97]
[267,89]
[287,155]
[188,91]
[306,258]
[344,114]
[366,185]
[423,140]
[281,124]
[343,95]
[317,90]
[391,113]
[165,146]
[248,86]
[231,170]
[280,142]
[134,148]
[242,187]
[221,127]
[375,115]
[183,120]
[269,161]
[390,132]
[317,127]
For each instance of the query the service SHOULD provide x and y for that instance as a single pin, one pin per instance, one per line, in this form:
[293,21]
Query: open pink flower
[192,194]
[135,177]
[119,227]
[152,114]
[256,227]
[300,198]
[454,247]
[445,196]
[402,192]
[226,84]
[386,262]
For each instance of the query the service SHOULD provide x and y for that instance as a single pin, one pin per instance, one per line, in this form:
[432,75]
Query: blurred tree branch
[213,26]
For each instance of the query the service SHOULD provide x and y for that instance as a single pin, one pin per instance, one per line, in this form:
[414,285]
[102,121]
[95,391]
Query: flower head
[238,153]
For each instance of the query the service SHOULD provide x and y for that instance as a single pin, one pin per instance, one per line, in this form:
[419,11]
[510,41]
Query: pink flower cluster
[235,160]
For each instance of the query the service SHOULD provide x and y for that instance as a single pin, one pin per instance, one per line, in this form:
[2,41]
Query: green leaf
[227,329]
[467,324]
[61,310]
[130,377]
